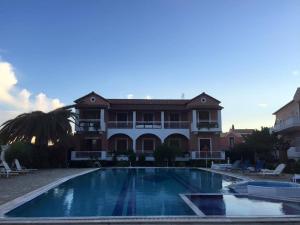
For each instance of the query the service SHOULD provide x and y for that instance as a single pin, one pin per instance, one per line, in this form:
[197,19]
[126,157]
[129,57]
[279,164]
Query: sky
[244,53]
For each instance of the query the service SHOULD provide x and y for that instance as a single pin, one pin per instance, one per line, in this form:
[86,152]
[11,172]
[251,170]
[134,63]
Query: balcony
[207,124]
[89,125]
[220,155]
[177,124]
[120,124]
[290,124]
[148,125]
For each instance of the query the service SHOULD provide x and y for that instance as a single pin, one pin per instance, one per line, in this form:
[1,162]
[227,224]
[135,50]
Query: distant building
[105,127]
[287,124]
[233,137]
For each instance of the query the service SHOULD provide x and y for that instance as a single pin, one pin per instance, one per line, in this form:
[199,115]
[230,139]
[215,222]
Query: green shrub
[131,156]
[166,153]
[21,151]
[142,158]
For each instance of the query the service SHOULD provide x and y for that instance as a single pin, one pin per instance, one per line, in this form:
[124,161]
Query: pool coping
[198,218]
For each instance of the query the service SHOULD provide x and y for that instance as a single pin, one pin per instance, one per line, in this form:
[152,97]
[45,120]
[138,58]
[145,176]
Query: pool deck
[20,187]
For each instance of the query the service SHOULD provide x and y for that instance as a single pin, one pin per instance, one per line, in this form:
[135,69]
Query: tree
[38,127]
[260,144]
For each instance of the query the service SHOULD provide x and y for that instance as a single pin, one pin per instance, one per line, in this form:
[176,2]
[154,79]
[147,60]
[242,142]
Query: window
[122,116]
[205,144]
[203,115]
[231,141]
[175,142]
[148,117]
[121,145]
[174,116]
[148,144]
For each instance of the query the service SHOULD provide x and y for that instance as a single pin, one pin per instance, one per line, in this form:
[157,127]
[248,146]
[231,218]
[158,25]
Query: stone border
[8,206]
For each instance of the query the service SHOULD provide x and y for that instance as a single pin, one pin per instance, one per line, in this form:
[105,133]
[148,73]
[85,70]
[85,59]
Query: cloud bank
[14,100]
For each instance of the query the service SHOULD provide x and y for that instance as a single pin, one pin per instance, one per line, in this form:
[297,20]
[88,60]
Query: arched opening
[120,143]
[147,143]
[178,141]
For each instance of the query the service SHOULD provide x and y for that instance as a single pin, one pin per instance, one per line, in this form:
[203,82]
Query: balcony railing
[288,123]
[208,155]
[89,125]
[148,125]
[177,124]
[208,124]
[120,124]
[86,155]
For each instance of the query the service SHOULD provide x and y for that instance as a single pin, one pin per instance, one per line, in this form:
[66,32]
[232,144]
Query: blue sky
[244,53]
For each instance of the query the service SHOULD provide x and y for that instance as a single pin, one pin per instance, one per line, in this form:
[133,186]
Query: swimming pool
[141,192]
[124,192]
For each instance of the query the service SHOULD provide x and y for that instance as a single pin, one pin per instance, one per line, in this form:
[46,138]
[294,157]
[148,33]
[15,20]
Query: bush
[132,156]
[21,151]
[166,153]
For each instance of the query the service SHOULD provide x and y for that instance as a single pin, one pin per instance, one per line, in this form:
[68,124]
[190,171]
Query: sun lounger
[278,170]
[6,171]
[19,168]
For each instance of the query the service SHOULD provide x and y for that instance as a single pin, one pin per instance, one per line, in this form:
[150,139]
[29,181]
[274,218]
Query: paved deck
[13,187]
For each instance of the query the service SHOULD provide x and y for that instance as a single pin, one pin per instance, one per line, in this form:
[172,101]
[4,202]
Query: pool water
[242,205]
[124,192]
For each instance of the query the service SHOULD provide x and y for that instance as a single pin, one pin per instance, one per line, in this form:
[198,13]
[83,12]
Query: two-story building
[287,124]
[106,126]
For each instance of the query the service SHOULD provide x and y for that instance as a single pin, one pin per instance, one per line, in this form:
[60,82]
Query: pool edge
[10,205]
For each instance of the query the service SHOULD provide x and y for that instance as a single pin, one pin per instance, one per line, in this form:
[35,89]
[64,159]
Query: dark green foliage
[44,127]
[131,156]
[293,167]
[21,151]
[260,144]
[166,153]
[142,158]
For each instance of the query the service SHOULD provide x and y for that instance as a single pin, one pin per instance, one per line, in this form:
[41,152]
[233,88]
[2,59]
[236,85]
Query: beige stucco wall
[290,110]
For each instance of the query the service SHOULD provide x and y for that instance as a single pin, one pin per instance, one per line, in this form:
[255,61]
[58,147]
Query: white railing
[207,124]
[177,124]
[89,125]
[148,125]
[208,155]
[287,123]
[88,155]
[120,124]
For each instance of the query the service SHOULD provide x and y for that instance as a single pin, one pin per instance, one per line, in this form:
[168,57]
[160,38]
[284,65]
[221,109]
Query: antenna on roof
[182,96]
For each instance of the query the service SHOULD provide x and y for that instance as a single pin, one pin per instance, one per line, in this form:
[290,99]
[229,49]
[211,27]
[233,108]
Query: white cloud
[14,100]
[148,97]
[296,73]
[263,105]
[130,96]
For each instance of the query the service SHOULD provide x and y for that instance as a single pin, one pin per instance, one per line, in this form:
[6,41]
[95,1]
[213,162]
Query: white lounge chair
[278,170]
[295,178]
[5,170]
[20,168]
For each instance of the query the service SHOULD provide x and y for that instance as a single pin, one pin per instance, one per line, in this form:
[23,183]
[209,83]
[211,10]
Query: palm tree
[39,127]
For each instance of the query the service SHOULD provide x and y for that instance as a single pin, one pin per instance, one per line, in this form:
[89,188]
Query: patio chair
[20,168]
[278,170]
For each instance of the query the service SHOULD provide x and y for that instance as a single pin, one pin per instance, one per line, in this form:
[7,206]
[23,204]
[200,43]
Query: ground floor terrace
[189,147]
